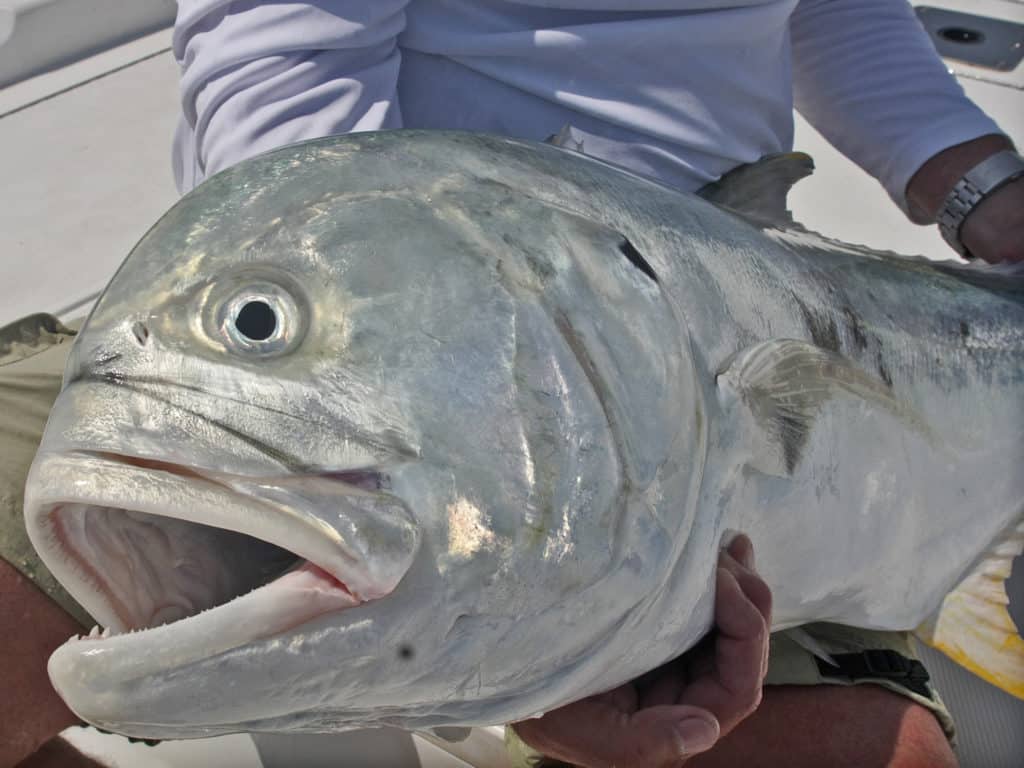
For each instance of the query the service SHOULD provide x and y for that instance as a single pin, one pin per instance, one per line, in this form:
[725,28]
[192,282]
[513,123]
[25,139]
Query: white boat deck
[85,130]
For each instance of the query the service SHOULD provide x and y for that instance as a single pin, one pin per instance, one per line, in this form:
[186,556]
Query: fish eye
[259,317]
[256,320]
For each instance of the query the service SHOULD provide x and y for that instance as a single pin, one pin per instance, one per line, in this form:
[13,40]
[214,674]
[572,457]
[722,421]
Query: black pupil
[256,321]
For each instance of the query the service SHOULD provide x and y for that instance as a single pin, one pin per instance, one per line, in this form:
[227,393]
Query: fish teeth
[94,634]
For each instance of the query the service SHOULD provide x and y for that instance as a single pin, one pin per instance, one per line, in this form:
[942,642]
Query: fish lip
[200,496]
[355,478]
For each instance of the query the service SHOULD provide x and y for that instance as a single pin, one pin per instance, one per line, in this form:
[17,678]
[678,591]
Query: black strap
[884,664]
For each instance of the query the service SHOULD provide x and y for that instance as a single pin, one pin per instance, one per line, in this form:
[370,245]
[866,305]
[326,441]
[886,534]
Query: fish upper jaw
[140,543]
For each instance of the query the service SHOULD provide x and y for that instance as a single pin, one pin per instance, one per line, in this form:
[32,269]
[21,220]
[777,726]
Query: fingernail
[748,556]
[697,733]
[741,550]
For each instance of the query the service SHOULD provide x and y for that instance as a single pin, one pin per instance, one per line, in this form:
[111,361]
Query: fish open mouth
[208,561]
[155,570]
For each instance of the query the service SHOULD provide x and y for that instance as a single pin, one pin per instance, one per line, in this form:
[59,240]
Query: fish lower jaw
[271,610]
[97,673]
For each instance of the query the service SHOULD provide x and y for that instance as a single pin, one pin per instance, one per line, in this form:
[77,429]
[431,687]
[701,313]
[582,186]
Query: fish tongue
[374,534]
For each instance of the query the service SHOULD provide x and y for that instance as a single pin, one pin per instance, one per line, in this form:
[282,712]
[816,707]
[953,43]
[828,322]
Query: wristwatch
[978,183]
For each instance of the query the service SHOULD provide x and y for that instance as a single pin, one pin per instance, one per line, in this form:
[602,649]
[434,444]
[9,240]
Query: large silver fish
[426,429]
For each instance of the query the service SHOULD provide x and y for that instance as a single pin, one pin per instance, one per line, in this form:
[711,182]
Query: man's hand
[684,707]
[994,230]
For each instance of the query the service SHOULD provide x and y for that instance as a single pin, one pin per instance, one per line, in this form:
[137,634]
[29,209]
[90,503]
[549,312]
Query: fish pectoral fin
[973,625]
[782,386]
[757,191]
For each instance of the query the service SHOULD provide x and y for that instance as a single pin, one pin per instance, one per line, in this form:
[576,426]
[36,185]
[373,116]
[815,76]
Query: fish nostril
[141,333]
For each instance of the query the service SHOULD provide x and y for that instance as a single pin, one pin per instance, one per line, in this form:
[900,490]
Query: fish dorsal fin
[973,626]
[566,138]
[783,384]
[757,191]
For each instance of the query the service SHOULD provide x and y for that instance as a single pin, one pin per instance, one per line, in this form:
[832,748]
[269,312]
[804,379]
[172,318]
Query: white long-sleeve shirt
[681,90]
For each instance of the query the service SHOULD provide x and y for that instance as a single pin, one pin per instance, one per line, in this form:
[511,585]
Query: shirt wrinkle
[682,90]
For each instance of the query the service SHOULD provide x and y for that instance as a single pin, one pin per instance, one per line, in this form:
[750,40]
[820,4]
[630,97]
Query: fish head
[359,435]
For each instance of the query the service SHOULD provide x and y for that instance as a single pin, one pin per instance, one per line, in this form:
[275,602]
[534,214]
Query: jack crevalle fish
[432,429]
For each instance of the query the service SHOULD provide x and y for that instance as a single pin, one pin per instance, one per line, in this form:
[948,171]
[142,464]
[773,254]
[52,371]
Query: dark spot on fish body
[539,268]
[406,652]
[822,327]
[965,330]
[628,250]
[883,370]
[856,329]
[791,437]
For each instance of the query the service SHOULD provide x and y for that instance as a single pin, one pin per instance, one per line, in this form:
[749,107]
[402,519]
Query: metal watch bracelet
[978,183]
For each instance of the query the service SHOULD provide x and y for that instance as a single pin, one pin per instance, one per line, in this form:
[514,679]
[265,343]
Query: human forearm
[58,753]
[934,180]
[867,76]
[994,230]
[31,712]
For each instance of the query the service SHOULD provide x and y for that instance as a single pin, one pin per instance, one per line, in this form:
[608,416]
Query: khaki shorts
[32,356]
[790,663]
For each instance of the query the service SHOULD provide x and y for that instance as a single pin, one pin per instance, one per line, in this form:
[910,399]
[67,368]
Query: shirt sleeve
[867,76]
[259,75]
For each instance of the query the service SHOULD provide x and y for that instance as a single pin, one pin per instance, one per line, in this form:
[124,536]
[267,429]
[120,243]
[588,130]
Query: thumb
[662,737]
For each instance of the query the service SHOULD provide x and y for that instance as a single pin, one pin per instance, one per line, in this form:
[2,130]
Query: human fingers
[738,645]
[592,734]
[740,563]
[666,684]
[742,640]
[731,687]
